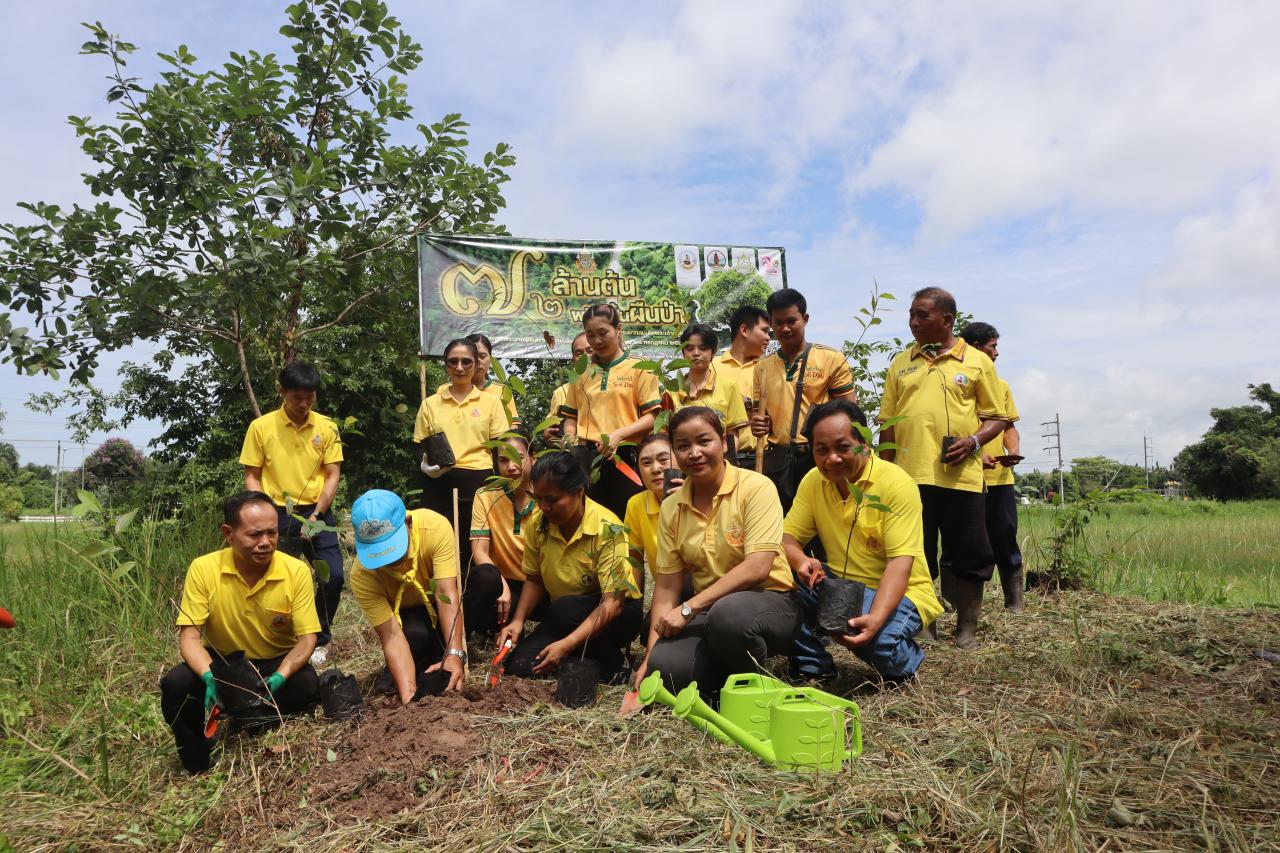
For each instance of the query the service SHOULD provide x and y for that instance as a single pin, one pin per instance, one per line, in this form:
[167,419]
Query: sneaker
[319,657]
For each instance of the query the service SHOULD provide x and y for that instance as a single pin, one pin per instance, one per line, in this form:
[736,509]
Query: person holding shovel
[499,518]
[405,579]
[866,511]
[452,427]
[750,336]
[575,558]
[610,403]
[295,455]
[246,601]
[724,526]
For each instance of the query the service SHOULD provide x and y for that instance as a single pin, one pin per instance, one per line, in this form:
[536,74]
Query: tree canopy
[1239,457]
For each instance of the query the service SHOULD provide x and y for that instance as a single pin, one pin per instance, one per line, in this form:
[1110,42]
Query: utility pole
[57,483]
[1056,436]
[1146,446]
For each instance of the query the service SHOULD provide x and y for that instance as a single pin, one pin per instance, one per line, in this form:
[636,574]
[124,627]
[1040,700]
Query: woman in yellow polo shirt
[499,517]
[611,402]
[484,360]
[701,385]
[468,418]
[575,557]
[724,525]
[653,460]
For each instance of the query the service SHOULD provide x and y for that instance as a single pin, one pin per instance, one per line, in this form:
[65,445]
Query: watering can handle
[855,744]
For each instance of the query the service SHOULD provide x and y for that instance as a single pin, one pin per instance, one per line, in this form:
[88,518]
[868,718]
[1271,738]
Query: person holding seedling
[452,428]
[724,526]
[575,559]
[999,455]
[484,364]
[751,333]
[405,579]
[942,402]
[786,385]
[702,386]
[866,512]
[555,431]
[499,518]
[294,455]
[246,601]
[612,402]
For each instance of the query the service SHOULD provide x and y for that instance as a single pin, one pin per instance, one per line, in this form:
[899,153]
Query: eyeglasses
[459,362]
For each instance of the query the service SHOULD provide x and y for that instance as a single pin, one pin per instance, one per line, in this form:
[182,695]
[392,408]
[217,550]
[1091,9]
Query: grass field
[1091,722]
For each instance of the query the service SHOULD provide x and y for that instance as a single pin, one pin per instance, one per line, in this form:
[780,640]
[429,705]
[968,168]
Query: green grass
[1196,552]
[1089,722]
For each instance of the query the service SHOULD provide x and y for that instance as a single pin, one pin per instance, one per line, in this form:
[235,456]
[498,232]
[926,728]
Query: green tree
[246,209]
[250,214]
[1103,473]
[727,291]
[1239,457]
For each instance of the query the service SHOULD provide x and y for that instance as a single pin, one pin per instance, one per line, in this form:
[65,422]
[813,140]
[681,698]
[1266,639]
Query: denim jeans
[894,652]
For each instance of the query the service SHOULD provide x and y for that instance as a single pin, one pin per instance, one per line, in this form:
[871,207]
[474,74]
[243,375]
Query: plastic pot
[244,694]
[438,450]
[432,683]
[340,695]
[839,600]
[576,682]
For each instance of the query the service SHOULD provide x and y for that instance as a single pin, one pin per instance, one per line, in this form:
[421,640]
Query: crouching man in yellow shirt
[866,512]
[247,599]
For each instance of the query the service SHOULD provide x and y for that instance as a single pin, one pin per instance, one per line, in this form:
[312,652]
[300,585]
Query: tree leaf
[123,522]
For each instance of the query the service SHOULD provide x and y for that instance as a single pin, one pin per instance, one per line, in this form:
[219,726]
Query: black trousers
[788,480]
[1002,526]
[182,704]
[437,495]
[322,546]
[613,489]
[482,585]
[563,616]
[425,640]
[736,635]
[961,519]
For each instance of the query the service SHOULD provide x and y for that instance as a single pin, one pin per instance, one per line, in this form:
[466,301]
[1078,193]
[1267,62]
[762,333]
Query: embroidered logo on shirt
[475,411]
[873,544]
[961,380]
[316,441]
[735,535]
[280,621]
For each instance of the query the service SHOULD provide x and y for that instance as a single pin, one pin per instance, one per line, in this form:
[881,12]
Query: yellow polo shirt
[558,397]
[468,425]
[642,525]
[431,556]
[263,622]
[949,395]
[719,394]
[826,375]
[746,517]
[607,398]
[876,537]
[497,389]
[1000,475]
[593,561]
[742,374]
[292,458]
[495,517]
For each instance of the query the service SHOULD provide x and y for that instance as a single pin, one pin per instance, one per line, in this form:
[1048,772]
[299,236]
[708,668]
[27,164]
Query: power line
[1056,435]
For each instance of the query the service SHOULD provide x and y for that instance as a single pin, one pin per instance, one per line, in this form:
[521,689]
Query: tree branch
[342,315]
[244,365]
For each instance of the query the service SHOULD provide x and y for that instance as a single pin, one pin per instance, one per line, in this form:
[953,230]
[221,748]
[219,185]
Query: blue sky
[1098,180]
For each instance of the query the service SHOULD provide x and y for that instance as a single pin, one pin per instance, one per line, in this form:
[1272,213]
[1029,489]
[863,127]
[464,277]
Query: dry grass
[1090,723]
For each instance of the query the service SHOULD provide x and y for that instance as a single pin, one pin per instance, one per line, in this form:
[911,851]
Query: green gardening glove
[274,682]
[210,692]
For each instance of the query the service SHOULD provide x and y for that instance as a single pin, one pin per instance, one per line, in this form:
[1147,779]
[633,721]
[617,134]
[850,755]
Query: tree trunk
[244,368]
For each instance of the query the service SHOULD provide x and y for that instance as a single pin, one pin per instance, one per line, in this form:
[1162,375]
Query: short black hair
[747,315]
[702,330]
[978,334]
[607,310]
[232,506]
[650,439]
[300,376]
[466,343]
[940,298]
[781,300]
[818,414]
[693,413]
[562,469]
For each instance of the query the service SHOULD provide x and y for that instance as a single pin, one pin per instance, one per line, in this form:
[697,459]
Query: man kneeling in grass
[250,601]
[866,512]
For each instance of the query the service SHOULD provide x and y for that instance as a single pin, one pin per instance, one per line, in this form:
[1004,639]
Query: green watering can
[783,726]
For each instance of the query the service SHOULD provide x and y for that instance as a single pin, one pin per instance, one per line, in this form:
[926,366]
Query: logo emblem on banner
[716,260]
[586,262]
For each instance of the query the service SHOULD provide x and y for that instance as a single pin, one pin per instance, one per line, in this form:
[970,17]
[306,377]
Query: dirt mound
[394,754]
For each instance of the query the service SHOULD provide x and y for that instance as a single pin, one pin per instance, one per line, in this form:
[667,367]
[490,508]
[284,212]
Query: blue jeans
[322,546]
[894,652]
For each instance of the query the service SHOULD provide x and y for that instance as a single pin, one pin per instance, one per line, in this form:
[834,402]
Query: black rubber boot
[1012,582]
[966,596]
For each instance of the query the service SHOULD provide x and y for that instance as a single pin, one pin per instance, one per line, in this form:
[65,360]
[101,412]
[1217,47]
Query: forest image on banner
[528,295]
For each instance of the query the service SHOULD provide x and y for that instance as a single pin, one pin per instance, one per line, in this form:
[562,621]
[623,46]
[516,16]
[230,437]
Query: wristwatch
[977,445]
[686,611]
[461,653]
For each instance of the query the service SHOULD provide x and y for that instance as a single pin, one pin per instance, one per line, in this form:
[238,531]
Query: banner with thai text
[528,295]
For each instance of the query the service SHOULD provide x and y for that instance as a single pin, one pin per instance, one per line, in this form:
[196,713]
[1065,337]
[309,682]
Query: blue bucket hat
[382,537]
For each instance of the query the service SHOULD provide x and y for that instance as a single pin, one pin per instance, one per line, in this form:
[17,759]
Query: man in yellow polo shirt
[1002,498]
[294,454]
[246,599]
[948,397]
[826,376]
[403,561]
[751,332]
[866,511]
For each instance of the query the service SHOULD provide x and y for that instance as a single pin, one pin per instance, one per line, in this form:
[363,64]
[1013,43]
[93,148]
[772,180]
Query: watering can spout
[689,705]
[652,690]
